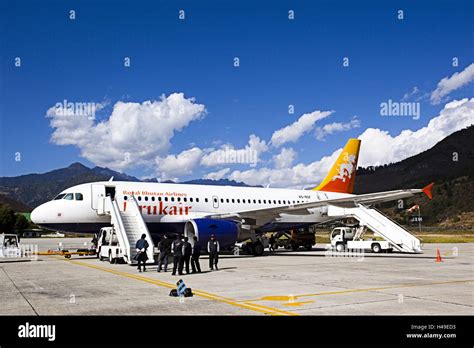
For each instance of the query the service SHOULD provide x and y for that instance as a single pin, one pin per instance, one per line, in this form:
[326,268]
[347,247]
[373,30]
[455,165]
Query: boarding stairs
[129,227]
[401,239]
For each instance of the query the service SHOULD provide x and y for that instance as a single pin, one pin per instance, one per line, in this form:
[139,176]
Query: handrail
[415,242]
[120,234]
[142,225]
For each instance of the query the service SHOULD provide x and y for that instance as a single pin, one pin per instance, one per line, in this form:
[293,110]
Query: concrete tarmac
[314,282]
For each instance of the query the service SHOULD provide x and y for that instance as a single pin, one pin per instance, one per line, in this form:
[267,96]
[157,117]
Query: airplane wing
[269,214]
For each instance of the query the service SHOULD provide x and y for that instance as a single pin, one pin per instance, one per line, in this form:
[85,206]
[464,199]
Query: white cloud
[298,176]
[378,147]
[285,158]
[174,166]
[217,175]
[294,131]
[134,134]
[410,95]
[335,127]
[227,154]
[449,84]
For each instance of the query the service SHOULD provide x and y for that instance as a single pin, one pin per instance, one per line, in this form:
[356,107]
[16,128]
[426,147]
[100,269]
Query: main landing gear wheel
[258,249]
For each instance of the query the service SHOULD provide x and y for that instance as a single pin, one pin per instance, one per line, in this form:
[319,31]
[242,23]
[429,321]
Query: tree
[7,219]
[21,223]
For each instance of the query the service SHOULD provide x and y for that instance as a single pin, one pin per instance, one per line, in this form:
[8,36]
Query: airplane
[231,213]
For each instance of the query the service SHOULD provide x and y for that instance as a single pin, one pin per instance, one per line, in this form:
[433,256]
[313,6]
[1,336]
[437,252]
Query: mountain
[449,164]
[33,189]
[25,192]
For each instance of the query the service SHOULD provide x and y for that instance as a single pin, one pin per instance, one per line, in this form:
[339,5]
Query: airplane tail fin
[342,175]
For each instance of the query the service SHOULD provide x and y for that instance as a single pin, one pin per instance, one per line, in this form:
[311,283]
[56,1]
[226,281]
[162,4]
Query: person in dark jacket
[213,249]
[177,248]
[165,251]
[187,250]
[271,243]
[142,246]
[196,252]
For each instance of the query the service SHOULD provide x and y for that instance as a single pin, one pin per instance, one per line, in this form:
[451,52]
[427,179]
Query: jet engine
[226,232]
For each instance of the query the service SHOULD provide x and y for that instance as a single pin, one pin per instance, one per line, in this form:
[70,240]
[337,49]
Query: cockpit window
[60,196]
[69,196]
[79,197]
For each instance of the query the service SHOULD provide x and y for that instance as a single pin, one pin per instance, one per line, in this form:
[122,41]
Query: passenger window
[153,199]
[79,197]
[166,199]
[227,200]
[139,198]
[191,199]
[222,200]
[243,200]
[264,201]
[179,199]
[125,198]
[279,202]
[238,200]
[259,201]
[69,196]
[146,198]
[233,200]
[206,200]
[255,201]
[197,200]
[159,199]
[215,200]
[172,199]
[185,199]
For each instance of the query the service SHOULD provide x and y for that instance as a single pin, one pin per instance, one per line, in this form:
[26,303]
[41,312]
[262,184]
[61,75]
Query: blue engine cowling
[226,232]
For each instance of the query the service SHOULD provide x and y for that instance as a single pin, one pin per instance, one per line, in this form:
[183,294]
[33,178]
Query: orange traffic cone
[438,256]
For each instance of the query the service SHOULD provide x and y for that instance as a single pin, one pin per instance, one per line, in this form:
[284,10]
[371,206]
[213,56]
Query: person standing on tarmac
[187,250]
[177,247]
[165,251]
[142,246]
[213,249]
[196,252]
[271,243]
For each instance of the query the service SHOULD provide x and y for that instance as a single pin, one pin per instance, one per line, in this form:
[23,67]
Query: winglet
[427,190]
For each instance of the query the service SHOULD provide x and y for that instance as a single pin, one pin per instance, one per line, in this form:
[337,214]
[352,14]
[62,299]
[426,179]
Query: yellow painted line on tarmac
[207,295]
[291,298]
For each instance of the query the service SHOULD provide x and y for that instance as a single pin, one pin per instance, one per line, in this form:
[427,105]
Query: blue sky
[282,62]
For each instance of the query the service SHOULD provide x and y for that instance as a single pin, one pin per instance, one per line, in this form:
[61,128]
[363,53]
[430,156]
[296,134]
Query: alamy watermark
[229,155]
[404,109]
[67,108]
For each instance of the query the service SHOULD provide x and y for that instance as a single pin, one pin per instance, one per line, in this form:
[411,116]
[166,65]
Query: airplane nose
[37,215]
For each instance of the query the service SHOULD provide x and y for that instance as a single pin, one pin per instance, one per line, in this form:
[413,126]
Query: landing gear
[258,249]
[255,249]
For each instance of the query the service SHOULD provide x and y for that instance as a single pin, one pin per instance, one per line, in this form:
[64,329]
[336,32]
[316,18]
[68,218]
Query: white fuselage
[172,203]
